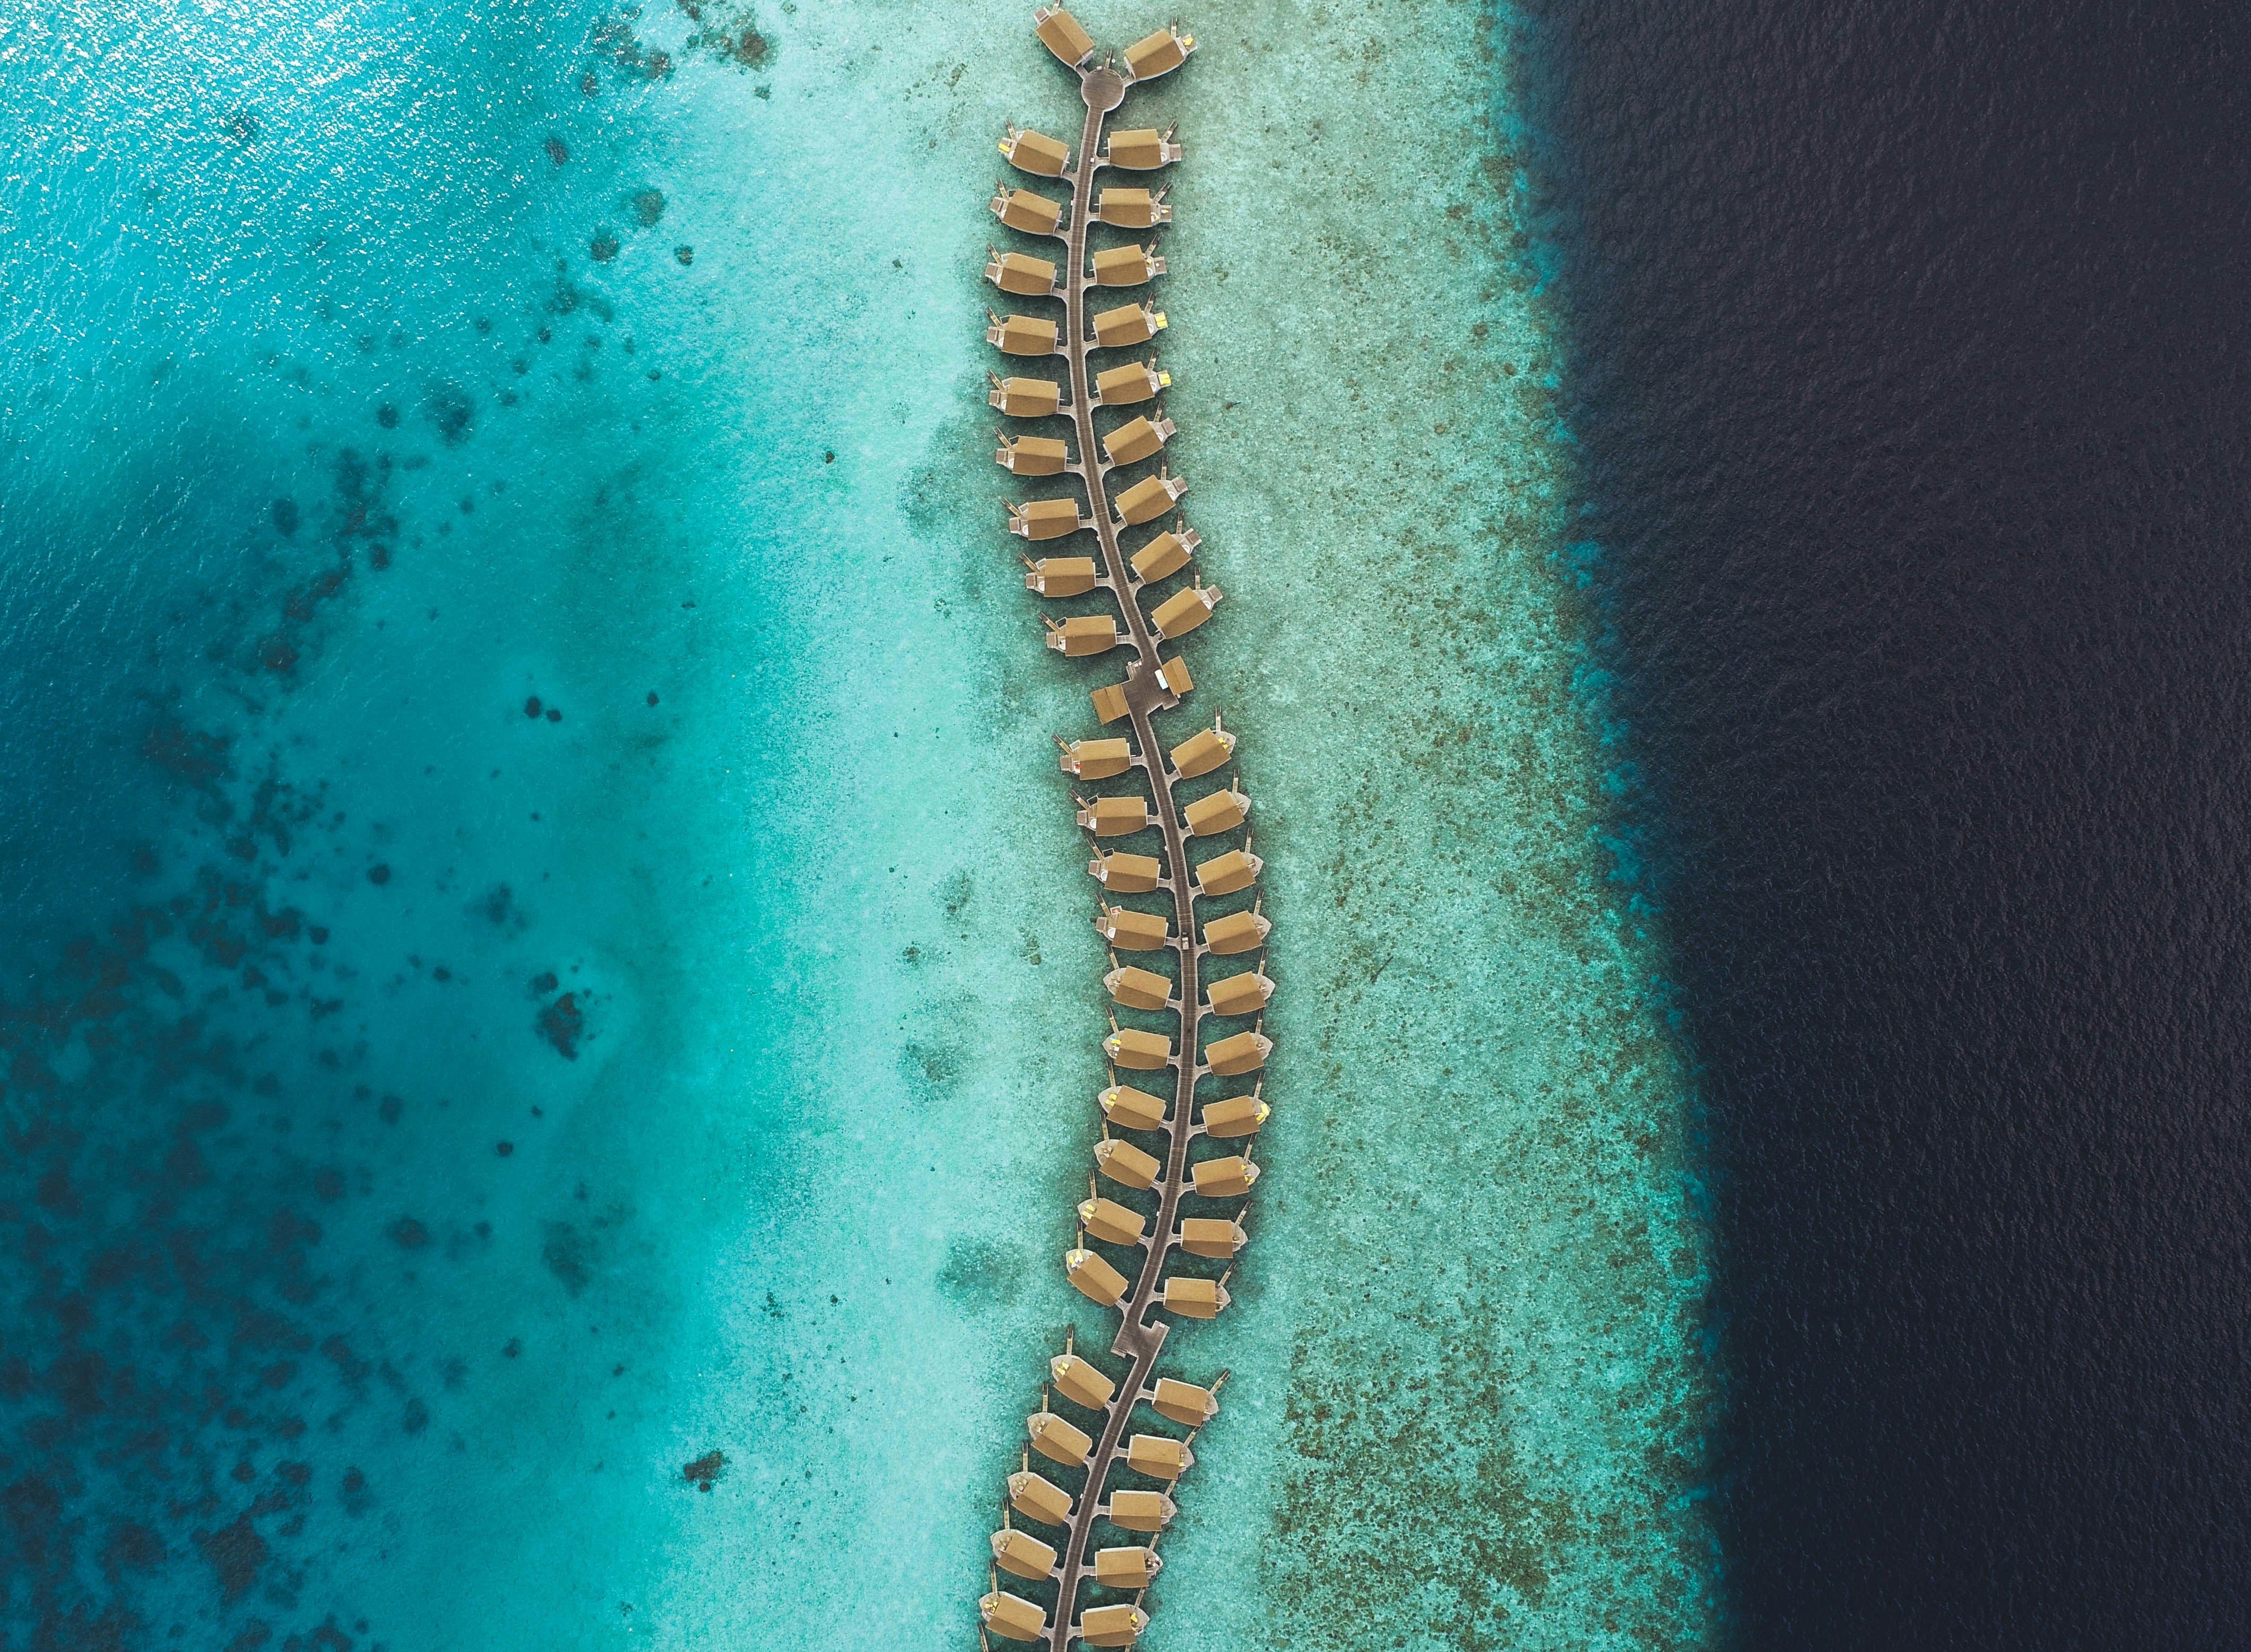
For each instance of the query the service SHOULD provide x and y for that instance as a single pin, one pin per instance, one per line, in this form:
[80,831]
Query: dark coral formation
[183,1082]
[727,33]
[615,40]
[451,410]
[563,1023]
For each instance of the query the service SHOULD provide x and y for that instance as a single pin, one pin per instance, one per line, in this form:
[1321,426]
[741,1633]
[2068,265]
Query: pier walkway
[1159,1185]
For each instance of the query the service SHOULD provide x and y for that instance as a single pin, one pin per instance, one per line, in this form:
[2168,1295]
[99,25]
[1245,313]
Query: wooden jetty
[1161,1227]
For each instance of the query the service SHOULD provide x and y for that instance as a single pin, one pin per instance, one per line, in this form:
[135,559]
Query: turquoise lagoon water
[436,1121]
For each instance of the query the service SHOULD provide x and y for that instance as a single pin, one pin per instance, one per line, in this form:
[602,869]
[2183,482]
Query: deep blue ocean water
[1908,350]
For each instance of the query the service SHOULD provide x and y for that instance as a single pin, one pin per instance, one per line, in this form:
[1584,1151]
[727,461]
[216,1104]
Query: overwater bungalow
[1061,33]
[1238,1052]
[1242,995]
[1135,1049]
[1126,325]
[1025,398]
[1061,576]
[1218,812]
[1212,1236]
[1132,1109]
[1130,931]
[1137,988]
[1092,1277]
[1022,210]
[1135,381]
[1195,1298]
[1110,703]
[1113,816]
[1035,152]
[1224,874]
[1202,752]
[1084,634]
[1110,1221]
[1118,1625]
[1183,611]
[1225,1178]
[1127,1568]
[1141,149]
[1146,500]
[1022,1555]
[1139,1510]
[1011,1616]
[1138,438]
[1235,1115]
[1185,1403]
[1058,1438]
[1045,519]
[1160,54]
[1022,273]
[1021,335]
[1031,455]
[1160,1456]
[1132,209]
[1080,1382]
[1095,759]
[1168,553]
[1127,874]
[1125,1163]
[1127,265]
[1038,1499]
[1237,932]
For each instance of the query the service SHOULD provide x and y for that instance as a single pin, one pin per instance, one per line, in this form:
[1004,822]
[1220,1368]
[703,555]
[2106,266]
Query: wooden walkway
[1151,686]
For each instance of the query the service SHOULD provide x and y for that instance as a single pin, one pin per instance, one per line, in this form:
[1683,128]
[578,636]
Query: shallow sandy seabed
[1467,1401]
[800,1192]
